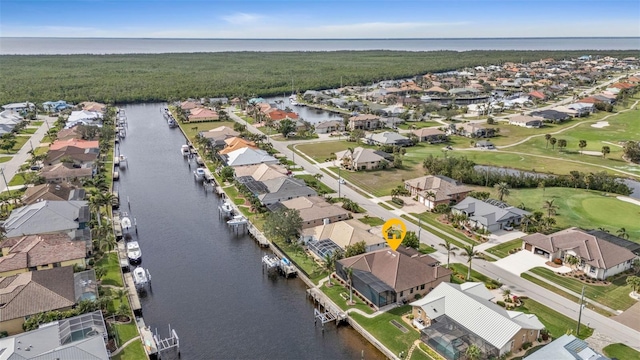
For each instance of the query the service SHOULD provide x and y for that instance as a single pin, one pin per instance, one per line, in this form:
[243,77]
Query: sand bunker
[594,153]
[600,124]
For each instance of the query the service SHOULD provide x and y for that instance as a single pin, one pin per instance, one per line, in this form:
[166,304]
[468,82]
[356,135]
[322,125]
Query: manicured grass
[432,353]
[502,250]
[303,260]
[28,131]
[239,201]
[579,207]
[321,151]
[385,206]
[125,332]
[431,218]
[379,182]
[621,351]
[41,150]
[192,129]
[372,221]
[340,295]
[615,295]
[475,276]
[317,185]
[418,125]
[557,323]
[426,249]
[113,276]
[36,123]
[381,328]
[133,351]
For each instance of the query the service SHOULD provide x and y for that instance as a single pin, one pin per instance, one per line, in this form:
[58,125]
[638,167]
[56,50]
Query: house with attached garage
[601,254]
[433,190]
[387,138]
[430,135]
[364,122]
[361,159]
[526,121]
[551,115]
[490,214]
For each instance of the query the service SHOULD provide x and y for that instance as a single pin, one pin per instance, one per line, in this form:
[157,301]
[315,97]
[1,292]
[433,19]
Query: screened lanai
[451,340]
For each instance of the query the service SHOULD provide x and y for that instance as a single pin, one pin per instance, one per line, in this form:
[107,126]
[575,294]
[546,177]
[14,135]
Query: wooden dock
[146,336]
[134,300]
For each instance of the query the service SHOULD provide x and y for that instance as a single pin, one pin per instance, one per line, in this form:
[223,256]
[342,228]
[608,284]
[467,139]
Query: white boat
[184,150]
[133,252]
[125,221]
[141,277]
[226,208]
[293,100]
[199,174]
[122,161]
[270,261]
[172,123]
[238,220]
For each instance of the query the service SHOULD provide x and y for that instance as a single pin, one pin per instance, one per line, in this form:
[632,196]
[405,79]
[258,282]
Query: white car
[508,227]
[341,181]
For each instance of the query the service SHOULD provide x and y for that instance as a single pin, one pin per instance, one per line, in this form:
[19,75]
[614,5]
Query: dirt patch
[600,124]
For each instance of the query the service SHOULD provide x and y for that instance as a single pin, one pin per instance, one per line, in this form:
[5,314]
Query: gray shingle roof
[46,216]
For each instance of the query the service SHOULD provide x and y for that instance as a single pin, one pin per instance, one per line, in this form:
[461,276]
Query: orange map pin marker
[394,231]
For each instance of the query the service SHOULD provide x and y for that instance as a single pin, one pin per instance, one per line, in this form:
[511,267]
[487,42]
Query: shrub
[557,261]
[410,317]
[526,345]
[501,303]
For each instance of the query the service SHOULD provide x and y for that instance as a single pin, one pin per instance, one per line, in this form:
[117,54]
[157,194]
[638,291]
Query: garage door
[528,247]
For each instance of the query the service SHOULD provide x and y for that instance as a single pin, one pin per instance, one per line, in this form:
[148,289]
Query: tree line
[464,170]
[132,78]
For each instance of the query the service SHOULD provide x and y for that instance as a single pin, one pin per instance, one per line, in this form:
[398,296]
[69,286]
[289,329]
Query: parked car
[508,227]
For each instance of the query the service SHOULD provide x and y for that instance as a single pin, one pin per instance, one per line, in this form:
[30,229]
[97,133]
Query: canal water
[309,114]
[207,283]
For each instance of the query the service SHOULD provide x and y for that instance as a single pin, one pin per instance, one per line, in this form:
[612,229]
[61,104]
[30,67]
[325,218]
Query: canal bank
[208,282]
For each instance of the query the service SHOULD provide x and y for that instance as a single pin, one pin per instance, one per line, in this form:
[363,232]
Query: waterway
[309,114]
[207,282]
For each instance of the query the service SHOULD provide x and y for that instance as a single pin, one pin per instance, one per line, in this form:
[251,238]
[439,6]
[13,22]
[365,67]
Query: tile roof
[261,172]
[364,117]
[443,187]
[344,233]
[78,143]
[43,249]
[202,113]
[93,106]
[315,208]
[360,155]
[63,170]
[235,143]
[427,132]
[57,192]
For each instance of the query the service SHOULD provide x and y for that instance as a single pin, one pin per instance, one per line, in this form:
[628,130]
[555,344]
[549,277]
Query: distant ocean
[34,46]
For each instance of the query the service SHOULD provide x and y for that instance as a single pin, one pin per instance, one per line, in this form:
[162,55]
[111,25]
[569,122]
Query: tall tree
[286,127]
[355,249]
[550,206]
[547,137]
[349,272]
[411,240]
[284,224]
[451,249]
[553,142]
[562,143]
[470,253]
[502,188]
[605,150]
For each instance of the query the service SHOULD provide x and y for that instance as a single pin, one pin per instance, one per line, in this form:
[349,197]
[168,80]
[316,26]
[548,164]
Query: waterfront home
[361,159]
[83,117]
[387,277]
[433,190]
[188,105]
[65,172]
[235,143]
[8,121]
[314,210]
[566,347]
[430,135]
[325,239]
[261,172]
[278,115]
[40,252]
[601,254]
[77,143]
[327,127]
[57,192]
[68,134]
[30,293]
[93,106]
[83,336]
[219,101]
[364,122]
[18,107]
[387,138]
[453,317]
[284,188]
[217,136]
[202,115]
[526,121]
[56,106]
[551,115]
[472,130]
[491,215]
[248,156]
[48,217]
[78,156]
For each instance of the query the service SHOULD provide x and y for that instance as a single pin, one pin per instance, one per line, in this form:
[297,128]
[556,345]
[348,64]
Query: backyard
[387,333]
[557,323]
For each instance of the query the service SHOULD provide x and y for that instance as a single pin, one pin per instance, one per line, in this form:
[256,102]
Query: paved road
[603,325]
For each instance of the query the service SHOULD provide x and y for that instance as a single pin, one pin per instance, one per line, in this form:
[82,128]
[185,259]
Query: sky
[325,19]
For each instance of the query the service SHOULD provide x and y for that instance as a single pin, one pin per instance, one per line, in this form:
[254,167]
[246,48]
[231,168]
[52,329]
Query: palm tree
[431,196]
[502,188]
[573,261]
[547,137]
[349,272]
[582,144]
[317,176]
[548,223]
[562,143]
[553,142]
[622,232]
[605,151]
[120,294]
[506,293]
[551,208]
[470,253]
[450,250]
[634,281]
[329,264]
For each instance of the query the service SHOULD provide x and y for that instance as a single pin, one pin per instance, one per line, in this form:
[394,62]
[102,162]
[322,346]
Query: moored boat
[134,253]
[122,161]
[199,174]
[226,208]
[184,150]
[141,277]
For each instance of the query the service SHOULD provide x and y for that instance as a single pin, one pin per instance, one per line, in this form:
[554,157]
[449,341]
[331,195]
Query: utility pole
[339,180]
[419,227]
[580,310]
[5,181]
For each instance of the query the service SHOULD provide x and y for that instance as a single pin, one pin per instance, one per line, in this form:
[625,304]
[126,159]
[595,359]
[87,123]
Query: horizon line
[316,39]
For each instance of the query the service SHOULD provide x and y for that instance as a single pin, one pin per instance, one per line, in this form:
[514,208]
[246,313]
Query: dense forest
[150,77]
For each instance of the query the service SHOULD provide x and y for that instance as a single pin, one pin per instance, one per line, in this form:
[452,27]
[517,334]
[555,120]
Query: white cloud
[242,18]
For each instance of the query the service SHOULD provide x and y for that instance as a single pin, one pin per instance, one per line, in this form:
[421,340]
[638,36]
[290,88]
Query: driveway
[524,261]
[499,237]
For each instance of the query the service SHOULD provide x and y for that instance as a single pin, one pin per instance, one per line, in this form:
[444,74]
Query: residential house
[484,144]
[48,217]
[8,121]
[431,135]
[40,252]
[472,130]
[93,106]
[188,105]
[278,115]
[262,172]
[582,109]
[364,122]
[65,172]
[217,136]
[78,156]
[325,239]
[539,95]
[33,292]
[18,107]
[433,190]
[551,115]
[248,156]
[490,214]
[387,277]
[387,138]
[526,121]
[566,347]
[284,188]
[235,143]
[202,115]
[453,317]
[56,106]
[83,117]
[219,101]
[78,143]
[79,337]
[68,134]
[56,192]
[361,159]
[315,211]
[327,127]
[601,254]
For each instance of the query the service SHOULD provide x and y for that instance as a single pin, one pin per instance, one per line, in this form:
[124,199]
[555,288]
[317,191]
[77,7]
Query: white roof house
[249,156]
[469,305]
[83,117]
[18,106]
[566,347]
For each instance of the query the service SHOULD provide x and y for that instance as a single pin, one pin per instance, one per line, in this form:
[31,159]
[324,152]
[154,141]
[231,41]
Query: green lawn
[36,123]
[192,129]
[431,218]
[125,332]
[317,185]
[385,206]
[41,150]
[426,249]
[340,295]
[579,207]
[381,328]
[28,131]
[615,295]
[461,269]
[418,125]
[557,323]
[134,351]
[303,260]
[321,151]
[372,221]
[114,275]
[502,250]
[621,351]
